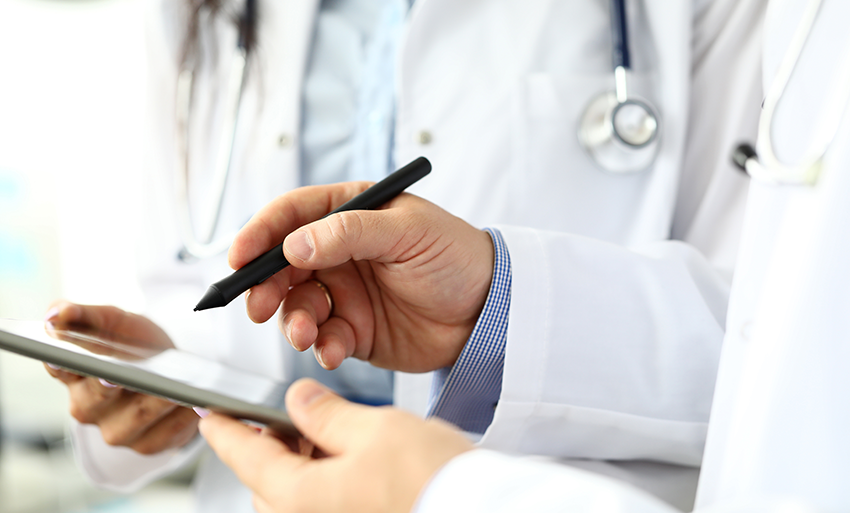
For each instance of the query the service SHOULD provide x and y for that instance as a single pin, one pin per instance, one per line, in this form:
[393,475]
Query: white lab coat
[778,433]
[491,92]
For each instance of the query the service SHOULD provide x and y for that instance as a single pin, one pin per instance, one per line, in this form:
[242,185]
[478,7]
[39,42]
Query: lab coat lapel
[285,35]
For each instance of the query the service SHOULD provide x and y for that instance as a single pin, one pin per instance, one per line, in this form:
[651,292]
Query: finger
[263,300]
[133,415]
[106,317]
[90,400]
[261,505]
[349,332]
[249,454]
[355,304]
[325,418]
[380,235]
[176,429]
[335,343]
[286,213]
[61,374]
[304,309]
[62,313]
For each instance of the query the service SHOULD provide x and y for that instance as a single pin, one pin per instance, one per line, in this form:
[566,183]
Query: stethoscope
[206,245]
[765,165]
[618,131]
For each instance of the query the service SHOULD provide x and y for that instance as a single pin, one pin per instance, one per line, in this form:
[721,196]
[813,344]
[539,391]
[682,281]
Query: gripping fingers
[305,308]
[263,300]
[258,460]
[61,374]
[176,429]
[91,401]
[127,423]
[335,343]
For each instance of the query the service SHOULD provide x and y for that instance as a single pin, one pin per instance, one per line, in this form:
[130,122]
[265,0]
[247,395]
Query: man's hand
[143,423]
[378,459]
[408,282]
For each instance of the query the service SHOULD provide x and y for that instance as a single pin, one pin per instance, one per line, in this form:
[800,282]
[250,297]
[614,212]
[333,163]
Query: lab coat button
[284,141]
[424,137]
[746,329]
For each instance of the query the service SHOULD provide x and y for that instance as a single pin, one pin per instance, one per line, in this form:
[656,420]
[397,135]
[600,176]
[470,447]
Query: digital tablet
[183,378]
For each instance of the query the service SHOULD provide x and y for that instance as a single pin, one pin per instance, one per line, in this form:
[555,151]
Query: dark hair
[245,22]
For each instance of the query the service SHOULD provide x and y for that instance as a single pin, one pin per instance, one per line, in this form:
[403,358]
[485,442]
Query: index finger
[268,227]
[254,458]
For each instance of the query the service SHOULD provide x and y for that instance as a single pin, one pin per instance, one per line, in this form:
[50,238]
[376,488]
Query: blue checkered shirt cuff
[467,393]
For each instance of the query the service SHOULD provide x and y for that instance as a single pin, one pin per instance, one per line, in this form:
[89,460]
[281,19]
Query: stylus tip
[212,299]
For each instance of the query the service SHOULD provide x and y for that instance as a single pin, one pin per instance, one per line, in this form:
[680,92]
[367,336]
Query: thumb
[379,235]
[326,419]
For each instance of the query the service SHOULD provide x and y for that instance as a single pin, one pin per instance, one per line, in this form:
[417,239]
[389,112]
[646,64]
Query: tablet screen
[181,377]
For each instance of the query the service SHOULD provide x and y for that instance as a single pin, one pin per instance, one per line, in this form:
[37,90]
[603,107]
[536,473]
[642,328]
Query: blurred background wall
[71,108]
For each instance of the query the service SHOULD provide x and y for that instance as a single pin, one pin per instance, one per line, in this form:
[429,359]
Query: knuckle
[346,226]
[102,394]
[81,414]
[145,409]
[148,446]
[113,437]
[184,423]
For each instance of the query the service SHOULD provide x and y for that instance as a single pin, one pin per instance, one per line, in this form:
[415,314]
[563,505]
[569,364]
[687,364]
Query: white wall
[71,107]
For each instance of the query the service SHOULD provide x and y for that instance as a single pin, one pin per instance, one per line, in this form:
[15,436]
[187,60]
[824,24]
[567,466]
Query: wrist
[466,393]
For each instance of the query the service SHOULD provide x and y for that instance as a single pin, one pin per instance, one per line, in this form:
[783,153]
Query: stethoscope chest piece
[620,136]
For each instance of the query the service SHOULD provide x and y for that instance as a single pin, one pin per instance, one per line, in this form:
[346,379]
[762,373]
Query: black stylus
[266,265]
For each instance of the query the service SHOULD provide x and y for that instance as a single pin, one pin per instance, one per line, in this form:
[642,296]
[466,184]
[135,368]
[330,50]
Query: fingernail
[107,384]
[51,314]
[286,328]
[310,392]
[319,351]
[54,367]
[202,412]
[298,243]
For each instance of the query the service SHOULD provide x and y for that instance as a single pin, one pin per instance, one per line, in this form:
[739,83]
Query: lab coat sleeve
[491,482]
[123,470]
[611,353]
[487,481]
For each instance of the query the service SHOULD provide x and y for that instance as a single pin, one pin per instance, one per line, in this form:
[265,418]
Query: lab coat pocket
[553,172]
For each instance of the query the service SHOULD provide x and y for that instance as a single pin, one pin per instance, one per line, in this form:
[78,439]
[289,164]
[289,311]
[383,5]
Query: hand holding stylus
[407,282]
[266,265]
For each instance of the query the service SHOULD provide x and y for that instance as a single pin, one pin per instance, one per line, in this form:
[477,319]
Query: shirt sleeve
[467,393]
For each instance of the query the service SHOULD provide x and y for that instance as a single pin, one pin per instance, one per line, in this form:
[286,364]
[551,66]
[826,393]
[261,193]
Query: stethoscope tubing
[765,165]
[618,140]
[207,244]
[620,36]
